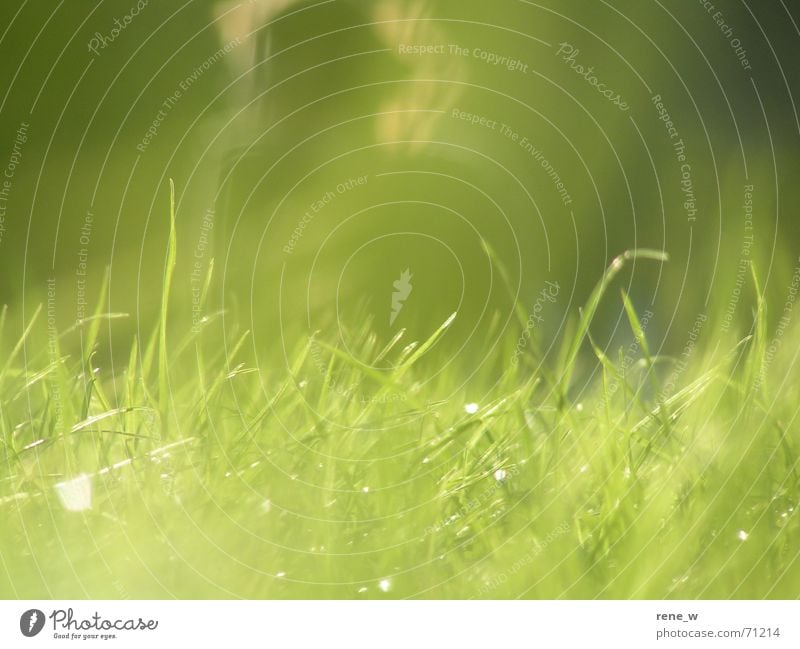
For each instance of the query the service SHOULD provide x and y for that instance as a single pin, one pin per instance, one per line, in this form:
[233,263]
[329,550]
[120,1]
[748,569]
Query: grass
[573,475]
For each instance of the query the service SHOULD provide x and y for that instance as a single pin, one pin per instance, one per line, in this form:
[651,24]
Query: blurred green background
[310,95]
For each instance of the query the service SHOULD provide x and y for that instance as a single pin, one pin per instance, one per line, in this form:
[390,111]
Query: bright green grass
[213,478]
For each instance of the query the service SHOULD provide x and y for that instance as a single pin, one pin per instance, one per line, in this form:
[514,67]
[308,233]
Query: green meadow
[399,300]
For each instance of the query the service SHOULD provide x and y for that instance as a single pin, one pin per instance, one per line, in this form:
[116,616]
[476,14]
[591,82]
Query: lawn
[186,469]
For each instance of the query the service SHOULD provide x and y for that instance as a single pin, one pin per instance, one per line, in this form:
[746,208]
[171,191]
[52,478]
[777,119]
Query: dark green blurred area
[312,95]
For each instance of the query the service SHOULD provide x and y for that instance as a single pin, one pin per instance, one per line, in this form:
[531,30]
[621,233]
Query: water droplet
[76,494]
[385,585]
[742,535]
[266,506]
[584,468]
[500,475]
[365,489]
[471,408]
[280,574]
[363,589]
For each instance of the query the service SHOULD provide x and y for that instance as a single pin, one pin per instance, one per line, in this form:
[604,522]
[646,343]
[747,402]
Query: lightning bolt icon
[34,617]
[403,289]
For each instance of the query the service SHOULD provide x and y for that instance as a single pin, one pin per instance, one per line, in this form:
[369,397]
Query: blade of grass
[163,378]
[587,314]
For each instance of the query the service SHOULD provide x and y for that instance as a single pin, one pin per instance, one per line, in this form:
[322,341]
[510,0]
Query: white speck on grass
[75,494]
[500,475]
[584,468]
[471,408]
[280,574]
[365,490]
[385,585]
[266,506]
[363,589]
[742,535]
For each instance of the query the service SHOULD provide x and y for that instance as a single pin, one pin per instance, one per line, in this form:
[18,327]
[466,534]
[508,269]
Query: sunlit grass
[186,470]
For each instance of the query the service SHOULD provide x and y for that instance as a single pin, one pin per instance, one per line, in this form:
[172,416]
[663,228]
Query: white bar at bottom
[401,624]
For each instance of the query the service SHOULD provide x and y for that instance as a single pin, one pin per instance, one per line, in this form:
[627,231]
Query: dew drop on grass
[280,574]
[266,506]
[363,589]
[471,408]
[742,535]
[500,475]
[75,494]
[384,585]
[365,490]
